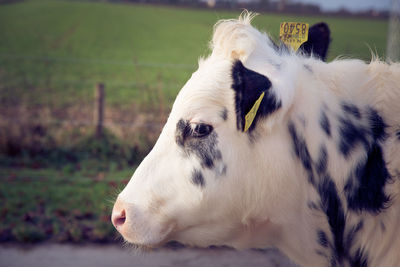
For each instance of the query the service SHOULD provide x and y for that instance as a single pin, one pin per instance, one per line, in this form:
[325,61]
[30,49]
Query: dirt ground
[116,256]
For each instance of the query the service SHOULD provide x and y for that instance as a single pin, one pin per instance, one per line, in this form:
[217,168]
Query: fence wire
[55,82]
[97,61]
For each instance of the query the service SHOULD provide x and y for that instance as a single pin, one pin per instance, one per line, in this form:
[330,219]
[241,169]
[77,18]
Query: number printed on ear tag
[249,118]
[293,34]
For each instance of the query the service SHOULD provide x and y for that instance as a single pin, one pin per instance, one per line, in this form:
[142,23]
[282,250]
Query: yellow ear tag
[249,118]
[293,34]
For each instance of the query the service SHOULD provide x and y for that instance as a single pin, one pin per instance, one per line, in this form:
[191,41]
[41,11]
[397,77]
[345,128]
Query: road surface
[116,256]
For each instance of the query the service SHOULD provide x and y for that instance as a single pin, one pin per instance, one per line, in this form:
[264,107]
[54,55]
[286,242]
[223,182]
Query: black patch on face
[351,110]
[398,134]
[360,259]
[205,148]
[322,163]
[322,238]
[248,86]
[301,150]
[325,124]
[183,130]
[351,135]
[383,227]
[332,206]
[224,114]
[365,186]
[197,178]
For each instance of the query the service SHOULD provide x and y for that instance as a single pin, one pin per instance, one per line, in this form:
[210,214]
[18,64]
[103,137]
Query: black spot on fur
[325,124]
[330,202]
[332,206]
[351,109]
[364,189]
[183,130]
[301,150]
[351,135]
[322,238]
[352,233]
[360,259]
[377,125]
[224,114]
[248,86]
[197,178]
[365,186]
[206,150]
[204,147]
[322,163]
[354,131]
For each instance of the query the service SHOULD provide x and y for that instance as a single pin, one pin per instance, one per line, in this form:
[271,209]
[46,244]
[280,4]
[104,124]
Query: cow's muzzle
[118,216]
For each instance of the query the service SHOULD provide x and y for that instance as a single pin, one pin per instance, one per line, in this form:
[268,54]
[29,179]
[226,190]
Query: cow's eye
[201,130]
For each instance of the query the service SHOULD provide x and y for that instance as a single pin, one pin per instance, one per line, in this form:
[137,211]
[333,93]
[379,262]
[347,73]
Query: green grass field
[53,52]
[61,206]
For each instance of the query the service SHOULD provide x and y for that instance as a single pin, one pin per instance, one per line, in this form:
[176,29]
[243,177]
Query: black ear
[319,38]
[248,86]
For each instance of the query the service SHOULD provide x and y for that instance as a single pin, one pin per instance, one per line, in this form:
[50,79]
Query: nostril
[119,219]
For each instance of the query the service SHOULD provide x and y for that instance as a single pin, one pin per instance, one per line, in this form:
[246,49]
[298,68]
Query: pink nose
[118,216]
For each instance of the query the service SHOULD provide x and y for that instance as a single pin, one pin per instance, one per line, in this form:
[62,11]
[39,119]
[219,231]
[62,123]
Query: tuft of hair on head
[374,54]
[247,16]
[229,34]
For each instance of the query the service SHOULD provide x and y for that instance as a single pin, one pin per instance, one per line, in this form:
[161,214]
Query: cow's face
[214,177]
[200,184]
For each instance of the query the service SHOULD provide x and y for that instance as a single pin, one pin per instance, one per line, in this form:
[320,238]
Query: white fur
[261,201]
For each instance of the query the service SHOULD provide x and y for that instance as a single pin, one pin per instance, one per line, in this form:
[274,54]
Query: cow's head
[213,178]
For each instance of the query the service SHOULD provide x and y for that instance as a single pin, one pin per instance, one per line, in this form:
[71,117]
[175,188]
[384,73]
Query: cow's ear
[254,97]
[319,38]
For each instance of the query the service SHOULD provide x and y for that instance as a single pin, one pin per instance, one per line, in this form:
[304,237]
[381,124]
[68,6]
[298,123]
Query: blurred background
[86,86]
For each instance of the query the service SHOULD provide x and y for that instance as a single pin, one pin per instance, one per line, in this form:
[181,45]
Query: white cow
[317,174]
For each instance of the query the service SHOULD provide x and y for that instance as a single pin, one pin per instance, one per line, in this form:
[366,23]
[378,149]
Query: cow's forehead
[206,94]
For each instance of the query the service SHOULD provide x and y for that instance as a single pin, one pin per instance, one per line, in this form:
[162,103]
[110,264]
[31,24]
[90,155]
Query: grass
[53,52]
[64,194]
[58,205]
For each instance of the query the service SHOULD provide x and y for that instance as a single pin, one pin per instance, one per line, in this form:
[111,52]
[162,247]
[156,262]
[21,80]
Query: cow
[314,171]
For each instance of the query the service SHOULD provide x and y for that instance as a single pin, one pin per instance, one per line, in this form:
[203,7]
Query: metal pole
[393,43]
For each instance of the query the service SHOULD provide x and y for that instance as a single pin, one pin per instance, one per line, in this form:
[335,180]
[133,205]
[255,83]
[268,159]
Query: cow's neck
[330,129]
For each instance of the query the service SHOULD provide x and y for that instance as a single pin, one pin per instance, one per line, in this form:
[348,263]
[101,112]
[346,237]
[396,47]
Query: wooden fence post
[99,109]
